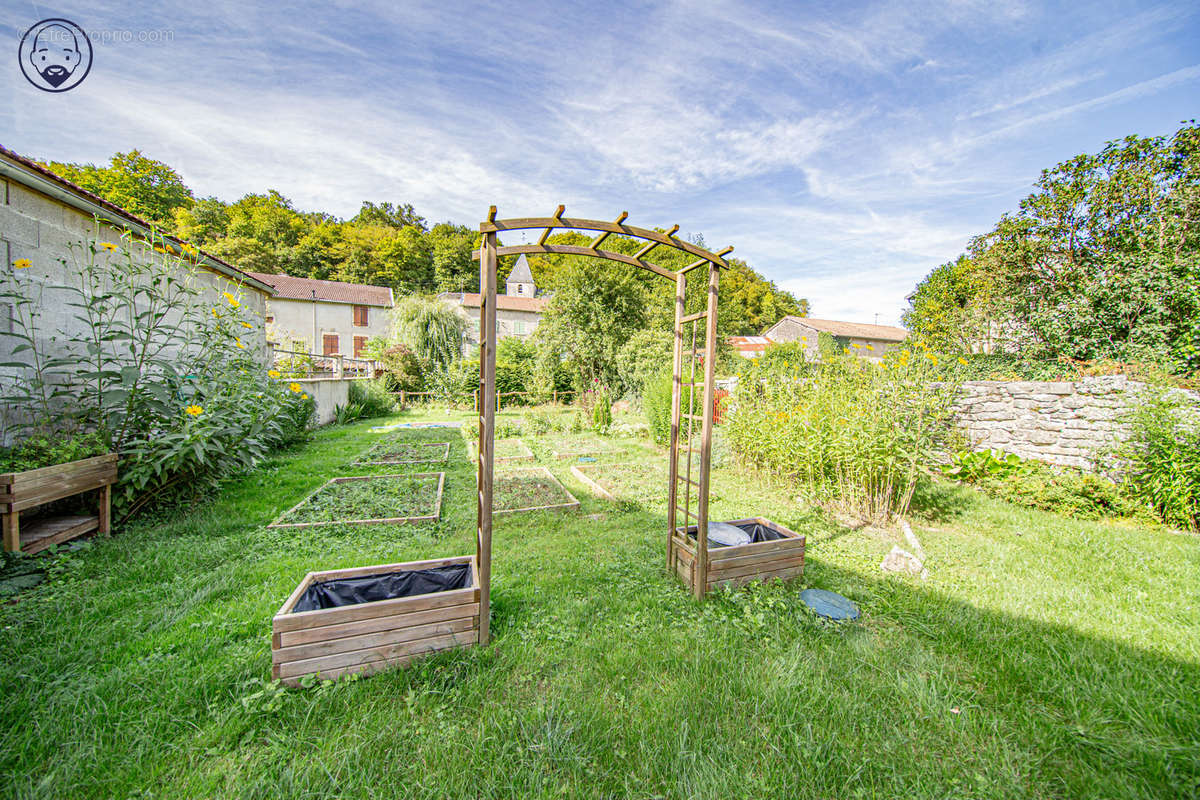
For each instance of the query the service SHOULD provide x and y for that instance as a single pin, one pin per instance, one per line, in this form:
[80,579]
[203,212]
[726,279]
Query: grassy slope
[1069,649]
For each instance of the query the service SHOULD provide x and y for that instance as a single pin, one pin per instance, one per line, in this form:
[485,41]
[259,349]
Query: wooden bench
[21,491]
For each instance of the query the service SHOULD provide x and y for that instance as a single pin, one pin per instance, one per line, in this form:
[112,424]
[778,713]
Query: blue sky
[844,149]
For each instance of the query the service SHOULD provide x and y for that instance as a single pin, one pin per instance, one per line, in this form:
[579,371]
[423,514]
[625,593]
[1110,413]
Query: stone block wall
[1062,423]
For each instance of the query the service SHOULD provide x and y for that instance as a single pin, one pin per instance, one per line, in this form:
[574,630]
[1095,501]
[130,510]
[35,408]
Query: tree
[954,309]
[1102,260]
[597,307]
[147,188]
[400,215]
[432,329]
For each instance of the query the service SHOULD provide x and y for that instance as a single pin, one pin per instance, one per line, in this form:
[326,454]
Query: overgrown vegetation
[848,431]
[1161,457]
[384,497]
[150,362]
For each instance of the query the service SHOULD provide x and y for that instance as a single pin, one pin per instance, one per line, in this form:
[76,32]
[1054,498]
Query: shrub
[372,397]
[402,368]
[849,431]
[154,366]
[972,466]
[1162,456]
[537,422]
[656,404]
[602,417]
[1062,490]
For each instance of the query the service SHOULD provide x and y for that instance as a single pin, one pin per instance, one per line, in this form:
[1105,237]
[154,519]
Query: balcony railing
[298,364]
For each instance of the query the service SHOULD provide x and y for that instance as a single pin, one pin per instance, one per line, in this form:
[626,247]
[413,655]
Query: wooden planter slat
[370,636]
[21,491]
[741,564]
[587,481]
[432,517]
[333,632]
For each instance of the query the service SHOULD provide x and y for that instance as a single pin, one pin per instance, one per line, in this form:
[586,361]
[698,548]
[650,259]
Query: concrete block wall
[329,393]
[1063,423]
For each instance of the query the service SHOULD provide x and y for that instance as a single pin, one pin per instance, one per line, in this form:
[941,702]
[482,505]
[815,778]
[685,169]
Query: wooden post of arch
[487,426]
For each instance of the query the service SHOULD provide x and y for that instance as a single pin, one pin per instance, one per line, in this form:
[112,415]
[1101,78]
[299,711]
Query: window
[519,328]
[520,288]
[329,344]
[270,319]
[360,344]
[360,317]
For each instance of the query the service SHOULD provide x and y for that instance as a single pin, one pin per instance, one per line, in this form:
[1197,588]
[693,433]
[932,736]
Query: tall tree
[148,188]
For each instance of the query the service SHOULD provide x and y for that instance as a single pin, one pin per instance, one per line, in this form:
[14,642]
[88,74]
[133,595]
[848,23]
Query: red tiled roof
[214,262]
[507,302]
[855,330]
[289,287]
[748,344]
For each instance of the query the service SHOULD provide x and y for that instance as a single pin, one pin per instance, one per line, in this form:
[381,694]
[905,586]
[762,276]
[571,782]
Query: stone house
[325,317]
[47,222]
[867,341]
[518,310]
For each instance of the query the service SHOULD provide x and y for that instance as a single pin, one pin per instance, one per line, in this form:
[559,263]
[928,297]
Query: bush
[155,366]
[1062,490]
[372,397]
[48,448]
[1162,456]
[656,405]
[851,432]
[402,368]
[537,422]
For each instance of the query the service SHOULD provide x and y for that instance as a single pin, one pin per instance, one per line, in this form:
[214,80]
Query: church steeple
[520,281]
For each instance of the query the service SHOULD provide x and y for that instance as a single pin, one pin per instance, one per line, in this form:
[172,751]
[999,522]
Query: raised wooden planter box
[775,552]
[345,629]
[21,491]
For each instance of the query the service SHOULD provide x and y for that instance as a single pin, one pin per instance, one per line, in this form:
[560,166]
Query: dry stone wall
[1062,423]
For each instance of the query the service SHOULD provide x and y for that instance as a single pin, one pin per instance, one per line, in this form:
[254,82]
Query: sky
[844,149]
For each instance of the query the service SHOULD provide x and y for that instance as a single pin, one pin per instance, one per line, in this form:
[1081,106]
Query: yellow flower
[804,339]
[215,311]
[238,342]
[272,373]
[934,360]
[304,397]
[109,246]
[246,325]
[22,263]
[962,361]
[260,394]
[857,346]
[189,249]
[194,411]
[295,387]
[869,347]
[233,301]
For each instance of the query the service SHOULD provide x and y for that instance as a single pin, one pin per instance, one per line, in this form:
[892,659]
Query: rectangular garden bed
[774,552]
[507,451]
[372,618]
[530,489]
[369,500]
[564,447]
[394,451]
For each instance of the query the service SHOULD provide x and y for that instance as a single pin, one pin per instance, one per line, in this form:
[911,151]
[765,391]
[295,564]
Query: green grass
[399,450]
[516,490]
[381,497]
[1043,658]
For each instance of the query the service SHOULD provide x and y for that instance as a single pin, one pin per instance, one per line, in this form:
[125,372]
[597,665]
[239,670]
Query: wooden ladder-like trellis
[488,254]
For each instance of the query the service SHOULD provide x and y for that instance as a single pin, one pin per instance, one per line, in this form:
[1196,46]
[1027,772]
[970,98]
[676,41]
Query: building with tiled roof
[868,341]
[325,317]
[518,311]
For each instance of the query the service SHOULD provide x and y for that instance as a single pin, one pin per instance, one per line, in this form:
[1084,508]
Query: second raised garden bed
[25,491]
[371,618]
[773,552]
[369,500]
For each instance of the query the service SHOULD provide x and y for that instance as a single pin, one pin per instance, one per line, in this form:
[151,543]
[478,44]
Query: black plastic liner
[385,586]
[757,531]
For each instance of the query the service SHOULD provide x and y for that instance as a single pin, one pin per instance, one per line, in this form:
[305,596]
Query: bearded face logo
[56,55]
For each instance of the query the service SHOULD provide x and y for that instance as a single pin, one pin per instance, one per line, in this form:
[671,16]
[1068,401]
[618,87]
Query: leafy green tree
[955,308]
[430,328]
[597,307]
[148,188]
[398,215]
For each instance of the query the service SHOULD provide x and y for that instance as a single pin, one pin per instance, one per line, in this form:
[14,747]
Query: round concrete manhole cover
[830,605]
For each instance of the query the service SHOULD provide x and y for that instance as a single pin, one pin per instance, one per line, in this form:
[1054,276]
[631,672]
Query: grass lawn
[1042,658]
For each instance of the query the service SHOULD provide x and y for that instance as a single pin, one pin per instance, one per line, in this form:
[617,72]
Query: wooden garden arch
[488,255]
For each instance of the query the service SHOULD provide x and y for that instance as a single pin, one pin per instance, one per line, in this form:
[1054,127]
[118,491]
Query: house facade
[518,310]
[325,317]
[866,341]
[47,226]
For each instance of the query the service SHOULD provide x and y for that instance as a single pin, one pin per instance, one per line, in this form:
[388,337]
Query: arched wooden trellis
[685,476]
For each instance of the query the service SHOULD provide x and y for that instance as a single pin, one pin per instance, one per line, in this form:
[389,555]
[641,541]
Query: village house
[325,317]
[47,224]
[867,341]
[518,310]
